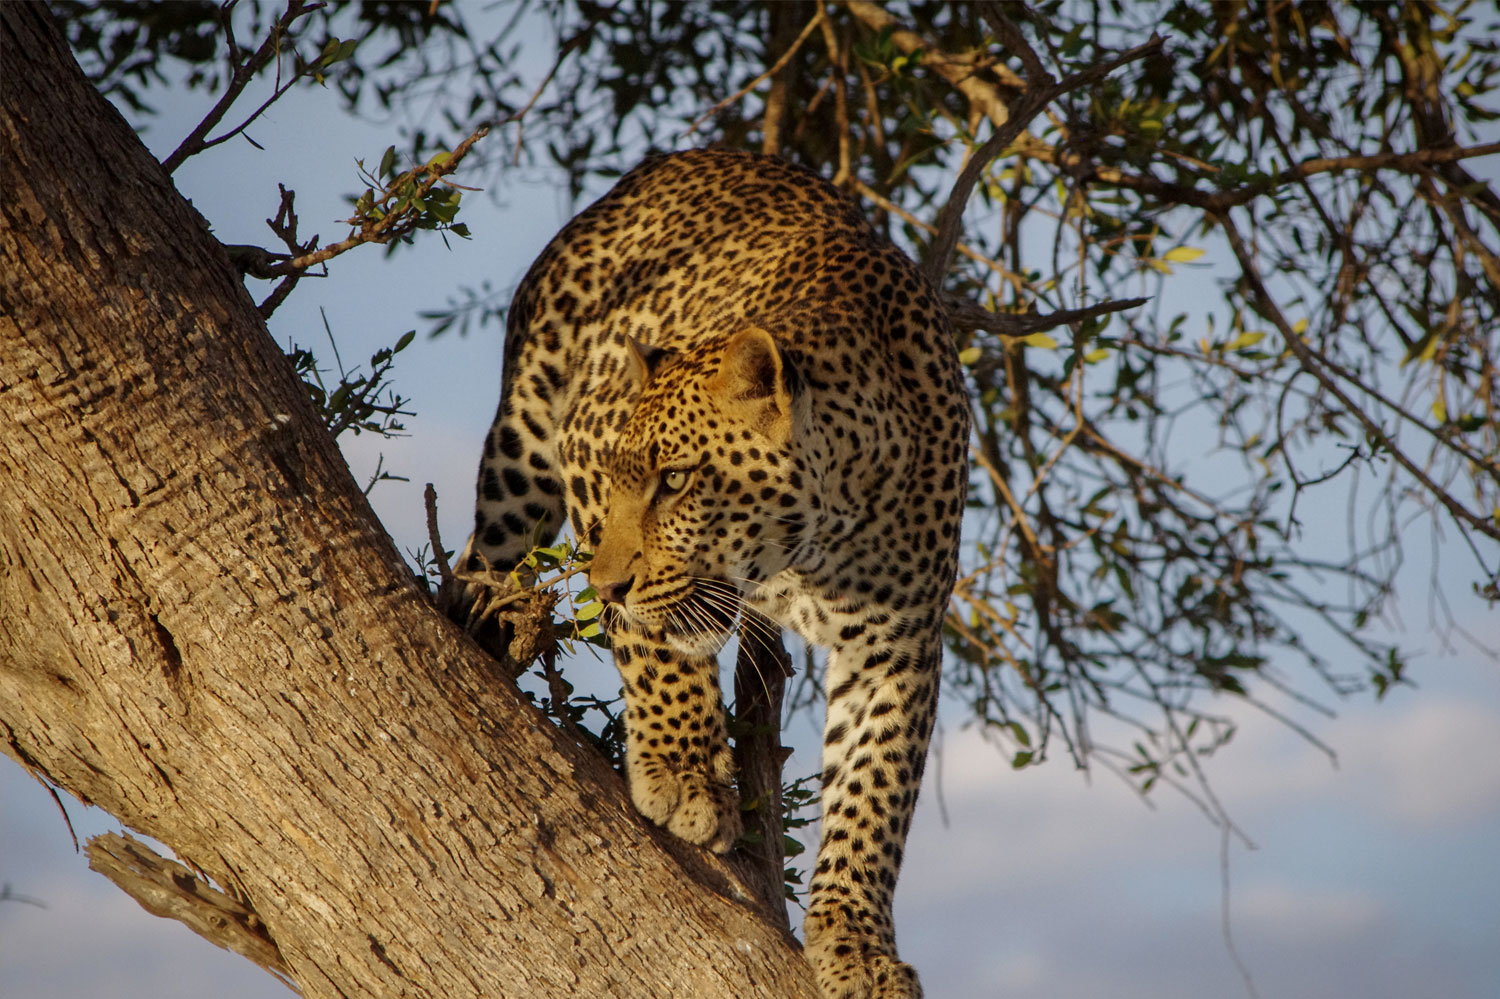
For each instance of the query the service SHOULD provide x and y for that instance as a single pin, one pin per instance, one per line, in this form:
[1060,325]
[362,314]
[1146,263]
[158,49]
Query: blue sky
[1378,877]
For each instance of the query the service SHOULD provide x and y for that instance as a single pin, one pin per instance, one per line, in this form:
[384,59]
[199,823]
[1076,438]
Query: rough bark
[204,630]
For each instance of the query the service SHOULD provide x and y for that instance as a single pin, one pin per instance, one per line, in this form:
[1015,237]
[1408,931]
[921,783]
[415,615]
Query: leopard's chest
[816,613]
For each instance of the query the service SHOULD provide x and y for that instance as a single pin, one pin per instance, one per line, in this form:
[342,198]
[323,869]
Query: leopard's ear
[752,379]
[641,361]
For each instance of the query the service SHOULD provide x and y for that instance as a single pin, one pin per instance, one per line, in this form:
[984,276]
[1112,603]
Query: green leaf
[590,610]
[1469,424]
[1070,43]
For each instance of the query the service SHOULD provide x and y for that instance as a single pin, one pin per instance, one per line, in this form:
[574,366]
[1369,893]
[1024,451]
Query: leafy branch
[395,206]
[361,402]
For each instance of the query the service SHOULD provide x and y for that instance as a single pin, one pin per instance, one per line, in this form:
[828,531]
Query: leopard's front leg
[882,698]
[677,758]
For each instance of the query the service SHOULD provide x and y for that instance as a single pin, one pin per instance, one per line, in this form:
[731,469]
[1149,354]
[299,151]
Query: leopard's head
[707,492]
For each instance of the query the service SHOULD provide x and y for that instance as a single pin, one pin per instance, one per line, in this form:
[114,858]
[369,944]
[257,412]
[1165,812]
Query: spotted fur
[742,397]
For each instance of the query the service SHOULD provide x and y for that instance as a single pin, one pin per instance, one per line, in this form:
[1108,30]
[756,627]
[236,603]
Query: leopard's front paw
[849,964]
[691,806]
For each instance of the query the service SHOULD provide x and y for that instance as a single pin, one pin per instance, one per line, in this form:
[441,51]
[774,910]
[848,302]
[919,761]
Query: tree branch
[1032,102]
[761,669]
[166,888]
[969,315]
[961,72]
[1219,201]
[208,634]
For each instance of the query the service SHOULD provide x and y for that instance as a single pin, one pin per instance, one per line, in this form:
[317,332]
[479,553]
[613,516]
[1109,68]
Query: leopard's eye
[673,480]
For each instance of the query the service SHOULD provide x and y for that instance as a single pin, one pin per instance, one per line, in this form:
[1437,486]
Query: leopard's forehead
[674,421]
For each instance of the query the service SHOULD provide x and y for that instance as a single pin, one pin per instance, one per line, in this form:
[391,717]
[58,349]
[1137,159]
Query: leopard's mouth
[703,620]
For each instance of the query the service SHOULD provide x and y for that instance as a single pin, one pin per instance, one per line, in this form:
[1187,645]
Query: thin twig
[1219,201]
[9,894]
[836,56]
[1010,500]
[520,116]
[439,554]
[776,67]
[284,225]
[241,73]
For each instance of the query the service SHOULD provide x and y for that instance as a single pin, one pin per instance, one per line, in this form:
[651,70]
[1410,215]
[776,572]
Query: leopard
[746,400]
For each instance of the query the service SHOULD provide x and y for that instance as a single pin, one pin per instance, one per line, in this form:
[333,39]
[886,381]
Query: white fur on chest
[791,601]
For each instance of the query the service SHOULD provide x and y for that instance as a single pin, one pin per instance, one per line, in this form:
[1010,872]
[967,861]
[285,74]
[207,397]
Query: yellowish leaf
[969,356]
[1245,340]
[1040,340]
[1183,254]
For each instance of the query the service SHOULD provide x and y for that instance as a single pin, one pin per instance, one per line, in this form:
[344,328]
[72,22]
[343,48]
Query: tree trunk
[204,631]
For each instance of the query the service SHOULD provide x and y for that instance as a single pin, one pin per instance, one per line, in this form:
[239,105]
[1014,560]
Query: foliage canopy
[1169,502]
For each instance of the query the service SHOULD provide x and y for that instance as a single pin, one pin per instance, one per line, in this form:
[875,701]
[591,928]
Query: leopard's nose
[614,593]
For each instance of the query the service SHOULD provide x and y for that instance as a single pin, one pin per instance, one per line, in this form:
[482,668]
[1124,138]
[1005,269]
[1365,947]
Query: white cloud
[1306,914]
[1441,759]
